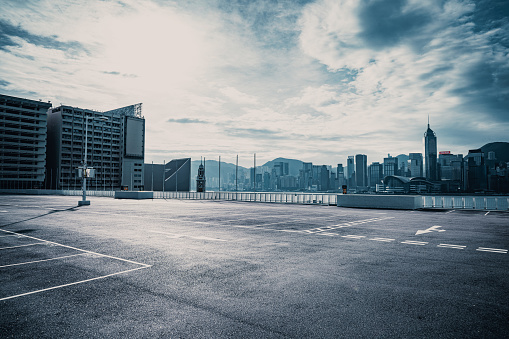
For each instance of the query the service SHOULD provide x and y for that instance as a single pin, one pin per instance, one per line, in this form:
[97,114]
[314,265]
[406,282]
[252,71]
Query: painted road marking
[459,247]
[410,242]
[73,283]
[179,235]
[37,243]
[353,236]
[449,212]
[383,239]
[328,234]
[345,224]
[487,213]
[429,230]
[142,266]
[75,248]
[36,261]
[493,250]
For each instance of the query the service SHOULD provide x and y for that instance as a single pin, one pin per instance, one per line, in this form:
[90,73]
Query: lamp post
[84,170]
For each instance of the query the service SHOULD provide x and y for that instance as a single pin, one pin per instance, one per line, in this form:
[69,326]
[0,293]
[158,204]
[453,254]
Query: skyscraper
[350,171]
[390,166]
[361,170]
[415,164]
[376,174]
[430,154]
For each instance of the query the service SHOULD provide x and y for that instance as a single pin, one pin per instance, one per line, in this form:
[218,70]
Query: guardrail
[273,197]
[488,203]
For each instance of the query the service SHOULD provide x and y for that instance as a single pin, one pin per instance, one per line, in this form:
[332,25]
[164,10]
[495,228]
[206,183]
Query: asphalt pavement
[217,269]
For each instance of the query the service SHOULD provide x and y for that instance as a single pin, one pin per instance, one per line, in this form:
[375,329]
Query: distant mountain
[501,150]
[293,165]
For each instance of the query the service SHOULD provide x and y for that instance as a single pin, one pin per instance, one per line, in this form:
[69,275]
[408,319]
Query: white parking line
[37,243]
[73,283]
[46,242]
[493,250]
[71,247]
[36,261]
[459,247]
[410,242]
[383,239]
[328,234]
[353,236]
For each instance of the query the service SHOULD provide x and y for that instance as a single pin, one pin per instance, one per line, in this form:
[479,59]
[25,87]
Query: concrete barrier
[134,195]
[405,202]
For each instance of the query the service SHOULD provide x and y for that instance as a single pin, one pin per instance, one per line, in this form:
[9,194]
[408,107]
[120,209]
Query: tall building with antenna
[430,154]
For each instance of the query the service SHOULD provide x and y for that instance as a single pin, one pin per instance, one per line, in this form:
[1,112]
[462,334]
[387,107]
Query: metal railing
[488,203]
[273,197]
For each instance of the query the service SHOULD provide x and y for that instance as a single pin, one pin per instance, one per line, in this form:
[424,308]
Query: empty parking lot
[177,268]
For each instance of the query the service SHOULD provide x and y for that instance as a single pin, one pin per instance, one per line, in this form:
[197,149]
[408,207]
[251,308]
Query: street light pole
[84,200]
[84,169]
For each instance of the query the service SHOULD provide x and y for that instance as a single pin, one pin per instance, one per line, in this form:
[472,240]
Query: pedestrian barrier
[487,203]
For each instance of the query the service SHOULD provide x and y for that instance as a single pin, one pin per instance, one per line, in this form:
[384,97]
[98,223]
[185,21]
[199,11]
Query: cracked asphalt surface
[218,269]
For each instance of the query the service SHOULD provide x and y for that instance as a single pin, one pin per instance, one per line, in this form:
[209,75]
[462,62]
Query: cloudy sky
[311,80]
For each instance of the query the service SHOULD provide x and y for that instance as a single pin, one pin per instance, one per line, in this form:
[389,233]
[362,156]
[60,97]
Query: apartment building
[22,142]
[115,147]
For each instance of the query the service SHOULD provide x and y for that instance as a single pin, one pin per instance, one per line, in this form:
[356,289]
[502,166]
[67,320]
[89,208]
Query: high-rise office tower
[430,154]
[340,175]
[22,142]
[115,147]
[390,166]
[376,174]
[415,164]
[350,171]
[361,170]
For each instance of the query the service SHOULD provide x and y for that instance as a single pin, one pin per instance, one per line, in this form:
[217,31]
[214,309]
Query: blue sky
[310,80]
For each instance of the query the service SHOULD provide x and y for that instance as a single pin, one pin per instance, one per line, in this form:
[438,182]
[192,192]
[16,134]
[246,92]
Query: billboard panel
[134,137]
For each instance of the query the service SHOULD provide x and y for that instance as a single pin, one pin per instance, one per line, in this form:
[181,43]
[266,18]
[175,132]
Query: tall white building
[115,147]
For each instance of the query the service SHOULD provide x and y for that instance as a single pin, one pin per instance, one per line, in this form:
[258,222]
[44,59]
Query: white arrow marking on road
[429,230]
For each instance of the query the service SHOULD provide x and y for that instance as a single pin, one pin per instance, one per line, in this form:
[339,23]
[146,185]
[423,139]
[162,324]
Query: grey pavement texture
[216,269]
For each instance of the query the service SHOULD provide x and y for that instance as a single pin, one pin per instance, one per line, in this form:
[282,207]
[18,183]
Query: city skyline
[317,81]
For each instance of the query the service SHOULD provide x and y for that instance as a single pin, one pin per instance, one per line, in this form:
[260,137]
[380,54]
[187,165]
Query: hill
[293,165]
[501,150]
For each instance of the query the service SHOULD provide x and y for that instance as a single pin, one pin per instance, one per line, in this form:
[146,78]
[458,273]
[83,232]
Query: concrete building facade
[23,129]
[115,147]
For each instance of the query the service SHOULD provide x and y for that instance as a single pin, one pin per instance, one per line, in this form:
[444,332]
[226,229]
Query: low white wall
[134,195]
[405,202]
[411,202]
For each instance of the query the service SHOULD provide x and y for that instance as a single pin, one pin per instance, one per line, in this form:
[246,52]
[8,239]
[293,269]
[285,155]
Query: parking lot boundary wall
[402,202]
[411,202]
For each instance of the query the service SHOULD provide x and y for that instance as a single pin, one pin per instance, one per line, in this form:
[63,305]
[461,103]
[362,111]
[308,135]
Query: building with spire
[430,154]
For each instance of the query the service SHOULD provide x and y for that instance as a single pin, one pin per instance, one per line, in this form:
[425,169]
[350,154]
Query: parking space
[30,265]
[177,268]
